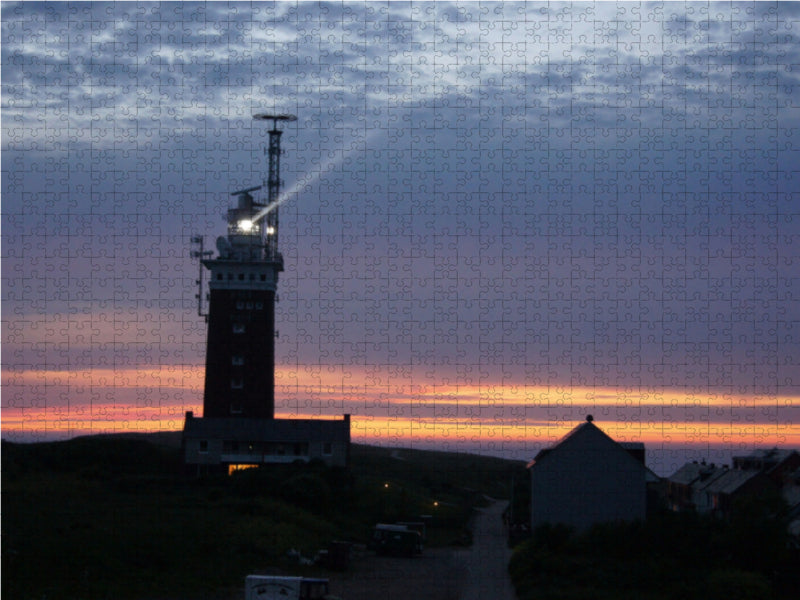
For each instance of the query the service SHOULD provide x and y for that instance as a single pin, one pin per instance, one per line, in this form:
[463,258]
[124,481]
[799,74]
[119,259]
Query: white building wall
[587,479]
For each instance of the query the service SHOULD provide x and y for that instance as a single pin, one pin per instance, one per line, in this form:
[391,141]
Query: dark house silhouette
[588,478]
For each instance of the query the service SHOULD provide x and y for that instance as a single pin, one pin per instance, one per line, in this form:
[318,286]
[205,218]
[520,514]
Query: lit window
[233,468]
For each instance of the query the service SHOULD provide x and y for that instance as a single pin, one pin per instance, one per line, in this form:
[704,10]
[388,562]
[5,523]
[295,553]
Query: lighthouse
[240,356]
[238,428]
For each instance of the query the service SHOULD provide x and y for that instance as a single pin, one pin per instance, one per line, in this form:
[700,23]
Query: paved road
[478,572]
[486,561]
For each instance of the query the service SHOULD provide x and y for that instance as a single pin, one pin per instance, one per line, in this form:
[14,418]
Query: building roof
[588,428]
[273,430]
[686,474]
[767,460]
[730,480]
[694,471]
[632,445]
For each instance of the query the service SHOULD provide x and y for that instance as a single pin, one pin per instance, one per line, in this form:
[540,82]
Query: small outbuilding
[588,478]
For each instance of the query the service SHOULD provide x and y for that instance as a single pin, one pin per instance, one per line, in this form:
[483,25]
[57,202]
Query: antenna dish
[247,191]
[269,117]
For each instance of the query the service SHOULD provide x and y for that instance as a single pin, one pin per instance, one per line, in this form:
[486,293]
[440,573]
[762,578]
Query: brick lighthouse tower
[240,357]
[238,429]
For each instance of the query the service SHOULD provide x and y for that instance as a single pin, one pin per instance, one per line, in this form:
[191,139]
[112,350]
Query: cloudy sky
[499,216]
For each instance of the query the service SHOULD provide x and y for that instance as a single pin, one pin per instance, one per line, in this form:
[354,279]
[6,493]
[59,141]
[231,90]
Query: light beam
[310,179]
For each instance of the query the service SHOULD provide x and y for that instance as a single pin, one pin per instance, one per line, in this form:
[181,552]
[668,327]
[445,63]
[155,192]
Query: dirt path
[478,572]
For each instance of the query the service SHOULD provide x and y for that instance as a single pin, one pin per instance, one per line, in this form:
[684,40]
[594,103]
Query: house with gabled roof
[686,486]
[588,478]
[732,484]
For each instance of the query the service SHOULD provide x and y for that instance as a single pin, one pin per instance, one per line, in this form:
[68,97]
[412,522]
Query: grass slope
[113,517]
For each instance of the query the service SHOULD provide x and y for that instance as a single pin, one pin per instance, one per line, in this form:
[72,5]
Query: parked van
[395,540]
[415,526]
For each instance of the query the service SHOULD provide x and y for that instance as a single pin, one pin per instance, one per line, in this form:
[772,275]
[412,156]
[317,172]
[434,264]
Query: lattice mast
[240,353]
[273,178]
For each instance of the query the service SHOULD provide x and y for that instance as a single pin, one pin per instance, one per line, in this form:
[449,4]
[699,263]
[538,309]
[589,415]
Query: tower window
[252,276]
[230,276]
[259,305]
[263,277]
[203,445]
[238,328]
[219,276]
[239,305]
[237,360]
[237,383]
[327,448]
[241,276]
[236,409]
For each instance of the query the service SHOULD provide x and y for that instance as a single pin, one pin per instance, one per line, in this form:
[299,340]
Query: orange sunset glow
[389,410]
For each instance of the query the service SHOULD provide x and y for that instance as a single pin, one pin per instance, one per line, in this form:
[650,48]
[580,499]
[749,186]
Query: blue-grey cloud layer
[593,195]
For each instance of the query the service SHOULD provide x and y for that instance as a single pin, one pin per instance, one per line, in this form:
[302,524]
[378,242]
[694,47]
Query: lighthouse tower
[238,429]
[240,356]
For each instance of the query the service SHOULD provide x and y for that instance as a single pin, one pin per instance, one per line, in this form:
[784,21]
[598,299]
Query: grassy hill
[114,517]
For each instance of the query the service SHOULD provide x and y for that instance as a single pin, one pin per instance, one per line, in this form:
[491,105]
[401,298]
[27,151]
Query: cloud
[587,195]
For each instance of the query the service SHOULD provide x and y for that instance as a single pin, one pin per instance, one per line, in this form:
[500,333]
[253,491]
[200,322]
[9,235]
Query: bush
[670,556]
[307,490]
[729,584]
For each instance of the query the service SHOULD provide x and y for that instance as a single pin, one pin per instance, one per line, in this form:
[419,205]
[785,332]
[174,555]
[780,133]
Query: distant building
[219,445]
[714,489]
[777,464]
[732,484]
[588,478]
[684,485]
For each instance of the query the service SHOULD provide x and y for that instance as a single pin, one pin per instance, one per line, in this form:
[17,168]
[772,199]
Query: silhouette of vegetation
[668,556]
[116,518]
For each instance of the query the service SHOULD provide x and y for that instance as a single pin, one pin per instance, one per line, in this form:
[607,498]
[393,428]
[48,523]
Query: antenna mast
[273,179]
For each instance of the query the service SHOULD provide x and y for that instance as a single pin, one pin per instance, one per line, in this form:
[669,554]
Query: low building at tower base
[227,444]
